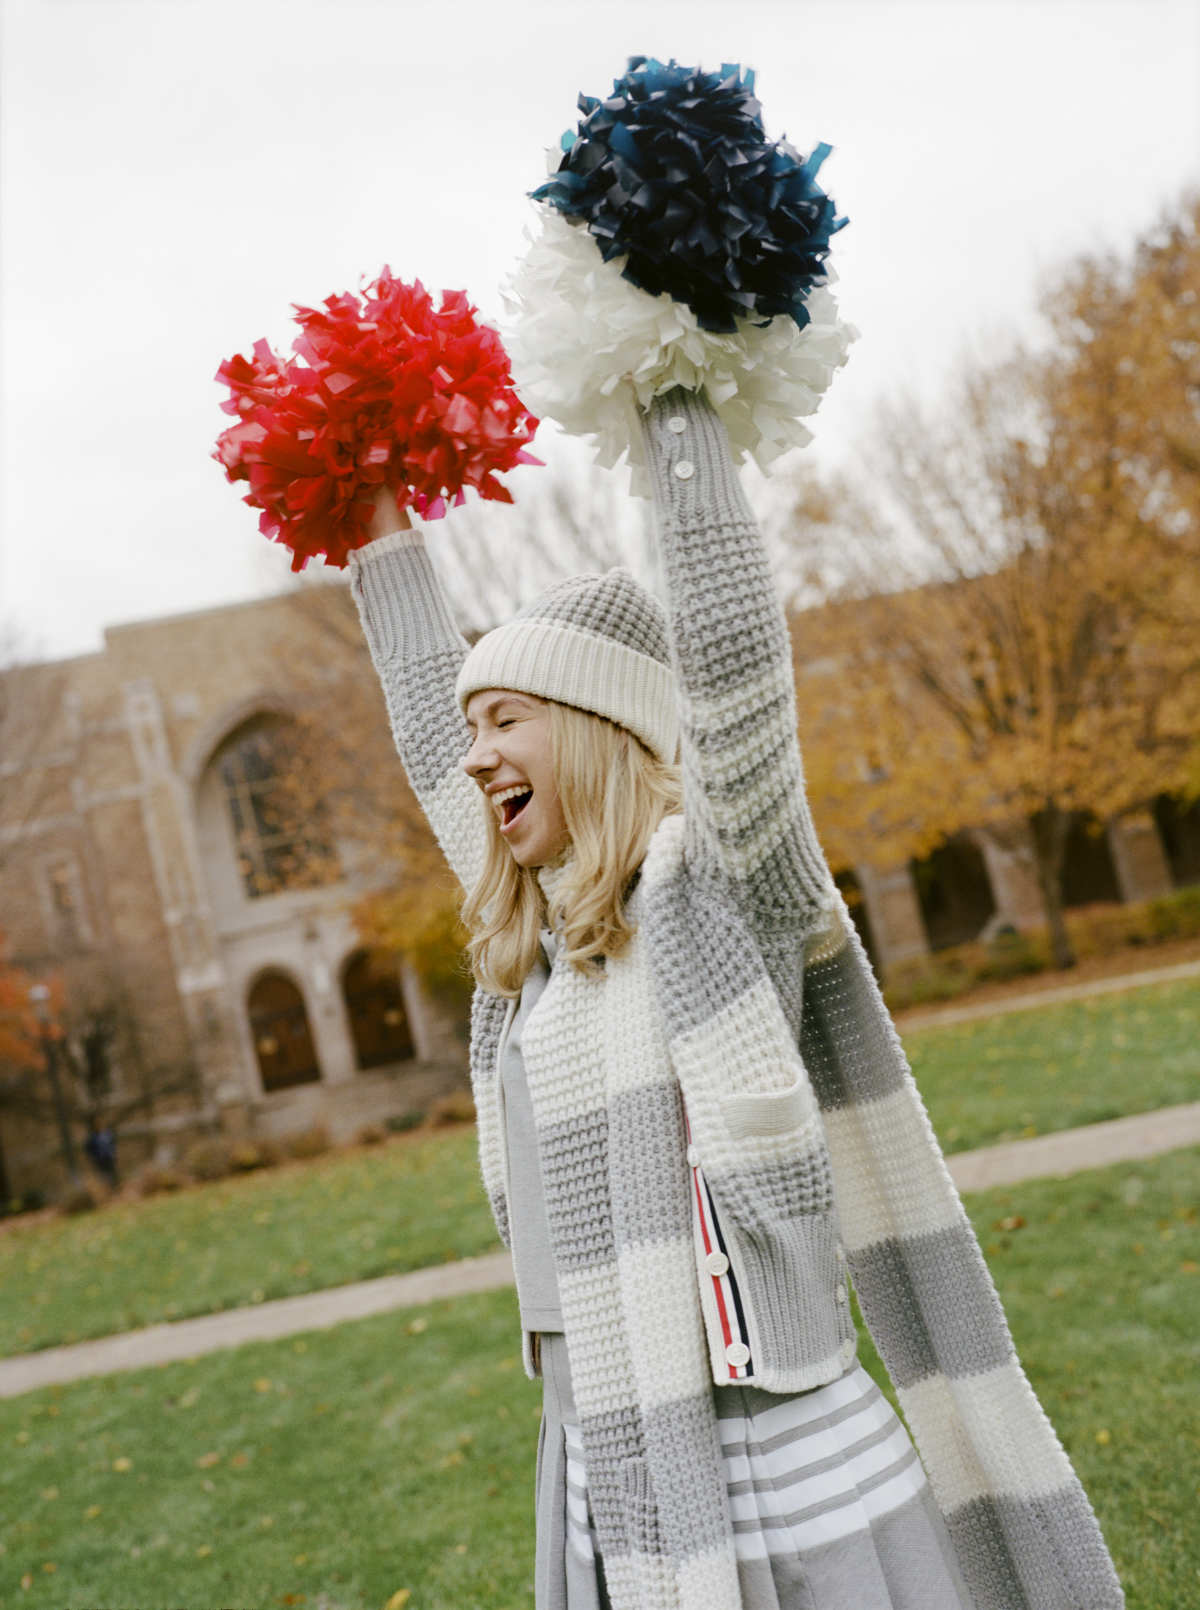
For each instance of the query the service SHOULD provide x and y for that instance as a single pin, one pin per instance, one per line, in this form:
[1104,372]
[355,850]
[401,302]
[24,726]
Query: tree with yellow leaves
[1015,635]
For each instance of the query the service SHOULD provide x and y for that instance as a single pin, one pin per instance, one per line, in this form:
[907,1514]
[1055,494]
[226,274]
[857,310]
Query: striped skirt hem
[831,1506]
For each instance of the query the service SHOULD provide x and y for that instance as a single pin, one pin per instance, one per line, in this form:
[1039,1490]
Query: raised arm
[746,815]
[417,650]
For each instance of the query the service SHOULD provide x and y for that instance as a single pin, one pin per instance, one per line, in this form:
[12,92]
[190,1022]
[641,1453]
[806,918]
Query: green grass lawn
[418,1201]
[1055,1067]
[414,1202]
[334,1470]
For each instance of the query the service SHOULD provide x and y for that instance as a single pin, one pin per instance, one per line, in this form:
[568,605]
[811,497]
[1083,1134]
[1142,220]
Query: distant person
[101,1147]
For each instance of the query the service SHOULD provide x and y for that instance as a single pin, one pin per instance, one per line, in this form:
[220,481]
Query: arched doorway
[375,1007]
[1179,828]
[954,892]
[1088,873]
[282,1038]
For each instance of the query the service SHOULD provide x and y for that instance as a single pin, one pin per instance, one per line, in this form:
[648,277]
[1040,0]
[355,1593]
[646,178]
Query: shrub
[156,1178]
[1175,916]
[926,978]
[398,1122]
[309,1142]
[1010,954]
[456,1108]
[251,1154]
[82,1198]
[371,1135]
[206,1159]
[1104,930]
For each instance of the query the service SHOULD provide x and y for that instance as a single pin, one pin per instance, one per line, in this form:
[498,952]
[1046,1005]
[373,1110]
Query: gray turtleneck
[537,1284]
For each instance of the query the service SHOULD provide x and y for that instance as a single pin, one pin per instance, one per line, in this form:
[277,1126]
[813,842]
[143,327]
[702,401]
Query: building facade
[144,861]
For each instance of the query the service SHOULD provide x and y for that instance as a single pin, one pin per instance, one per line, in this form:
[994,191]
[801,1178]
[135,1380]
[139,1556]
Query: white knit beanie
[596,642]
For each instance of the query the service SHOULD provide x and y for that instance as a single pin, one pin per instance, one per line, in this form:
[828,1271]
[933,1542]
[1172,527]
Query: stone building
[140,858]
[208,990]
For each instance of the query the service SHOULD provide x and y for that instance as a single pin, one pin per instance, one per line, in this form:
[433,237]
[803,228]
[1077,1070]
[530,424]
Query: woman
[694,1116]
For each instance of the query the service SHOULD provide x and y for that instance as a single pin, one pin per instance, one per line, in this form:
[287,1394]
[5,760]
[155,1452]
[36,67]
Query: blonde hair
[613,792]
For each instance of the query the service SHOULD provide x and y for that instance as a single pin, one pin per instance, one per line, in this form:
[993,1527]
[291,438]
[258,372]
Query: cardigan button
[684,470]
[693,1157]
[842,1294]
[677,424]
[716,1263]
[847,1351]
[737,1354]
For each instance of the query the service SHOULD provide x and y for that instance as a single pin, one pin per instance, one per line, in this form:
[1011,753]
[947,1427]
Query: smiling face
[510,759]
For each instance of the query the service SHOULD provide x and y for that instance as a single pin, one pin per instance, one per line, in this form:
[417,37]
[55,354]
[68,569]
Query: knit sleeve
[747,818]
[417,650]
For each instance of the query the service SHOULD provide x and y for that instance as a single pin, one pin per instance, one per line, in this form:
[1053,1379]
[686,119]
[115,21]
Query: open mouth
[510,802]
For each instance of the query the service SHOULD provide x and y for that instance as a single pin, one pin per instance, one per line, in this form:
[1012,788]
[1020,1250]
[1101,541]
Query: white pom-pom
[588,348]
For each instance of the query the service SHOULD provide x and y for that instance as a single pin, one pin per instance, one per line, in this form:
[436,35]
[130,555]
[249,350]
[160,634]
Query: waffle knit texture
[746,999]
[597,642]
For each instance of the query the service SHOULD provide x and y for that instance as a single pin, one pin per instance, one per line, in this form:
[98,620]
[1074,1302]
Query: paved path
[1093,1146]
[930,1017]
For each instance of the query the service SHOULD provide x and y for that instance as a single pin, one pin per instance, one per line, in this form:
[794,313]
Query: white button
[737,1354]
[841,1293]
[685,469]
[693,1157]
[848,1349]
[716,1263]
[677,424]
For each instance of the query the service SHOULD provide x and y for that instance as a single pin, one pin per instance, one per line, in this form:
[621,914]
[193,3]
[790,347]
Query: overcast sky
[175,173]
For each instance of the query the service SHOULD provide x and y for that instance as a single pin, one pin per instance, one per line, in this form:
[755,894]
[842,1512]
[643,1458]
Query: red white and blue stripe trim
[721,1283]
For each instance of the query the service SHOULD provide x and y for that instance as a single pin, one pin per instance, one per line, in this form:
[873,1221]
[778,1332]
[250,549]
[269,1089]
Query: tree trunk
[1049,830]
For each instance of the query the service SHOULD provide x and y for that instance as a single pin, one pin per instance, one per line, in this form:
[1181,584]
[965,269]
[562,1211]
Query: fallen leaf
[262,1384]
[92,1511]
[1189,1266]
[416,1326]
[1103,1438]
[399,1599]
[207,1460]
[122,1463]
[240,1461]
[1013,1222]
[205,1548]
[27,1581]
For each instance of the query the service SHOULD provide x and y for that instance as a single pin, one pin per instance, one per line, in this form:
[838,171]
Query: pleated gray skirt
[831,1507]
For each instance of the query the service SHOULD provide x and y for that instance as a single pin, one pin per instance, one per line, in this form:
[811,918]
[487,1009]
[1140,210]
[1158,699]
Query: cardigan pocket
[767,1113]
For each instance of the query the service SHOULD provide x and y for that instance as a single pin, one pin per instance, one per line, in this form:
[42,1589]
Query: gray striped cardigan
[745,1000]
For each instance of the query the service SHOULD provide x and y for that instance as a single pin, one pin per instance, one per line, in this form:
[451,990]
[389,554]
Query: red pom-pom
[384,390]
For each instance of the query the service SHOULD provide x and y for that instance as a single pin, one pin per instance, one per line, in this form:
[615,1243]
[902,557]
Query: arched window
[275,811]
[282,1038]
[375,1007]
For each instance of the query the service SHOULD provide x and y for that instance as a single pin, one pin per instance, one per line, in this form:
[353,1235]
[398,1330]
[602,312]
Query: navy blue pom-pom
[675,173]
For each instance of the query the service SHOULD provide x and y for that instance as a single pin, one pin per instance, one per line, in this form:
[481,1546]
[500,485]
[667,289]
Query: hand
[388,515]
